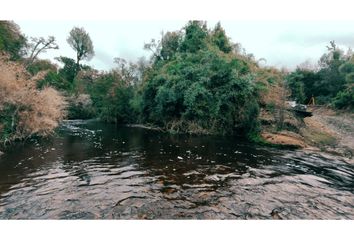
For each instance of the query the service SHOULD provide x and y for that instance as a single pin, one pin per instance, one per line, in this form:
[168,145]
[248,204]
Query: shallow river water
[91,170]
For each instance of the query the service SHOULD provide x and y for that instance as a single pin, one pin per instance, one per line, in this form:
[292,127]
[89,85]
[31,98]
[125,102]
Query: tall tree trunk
[77,65]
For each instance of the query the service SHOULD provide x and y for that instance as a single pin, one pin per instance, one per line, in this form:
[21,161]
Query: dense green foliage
[296,82]
[55,80]
[112,98]
[68,71]
[331,84]
[63,79]
[344,99]
[41,65]
[8,117]
[11,40]
[202,87]
[197,81]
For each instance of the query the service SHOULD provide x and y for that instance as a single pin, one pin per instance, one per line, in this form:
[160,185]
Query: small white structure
[291,103]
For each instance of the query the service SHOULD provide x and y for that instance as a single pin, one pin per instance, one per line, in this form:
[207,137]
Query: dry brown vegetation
[273,91]
[25,110]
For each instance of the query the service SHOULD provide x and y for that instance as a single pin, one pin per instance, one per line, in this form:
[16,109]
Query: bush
[80,107]
[41,65]
[344,99]
[53,79]
[24,110]
[113,99]
[8,117]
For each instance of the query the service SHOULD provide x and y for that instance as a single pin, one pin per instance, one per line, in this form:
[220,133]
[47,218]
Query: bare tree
[332,47]
[142,66]
[154,47]
[81,42]
[40,45]
[308,66]
[165,47]
[127,70]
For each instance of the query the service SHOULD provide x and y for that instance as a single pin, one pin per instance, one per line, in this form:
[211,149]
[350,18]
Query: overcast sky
[281,43]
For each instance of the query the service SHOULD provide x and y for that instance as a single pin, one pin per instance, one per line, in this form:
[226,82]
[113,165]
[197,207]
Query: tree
[331,82]
[81,42]
[220,39]
[112,98]
[194,37]
[40,45]
[200,86]
[345,98]
[296,85]
[165,48]
[127,70]
[331,79]
[169,44]
[68,71]
[155,48]
[143,66]
[12,40]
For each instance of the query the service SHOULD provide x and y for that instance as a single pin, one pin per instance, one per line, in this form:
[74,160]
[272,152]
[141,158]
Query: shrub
[41,65]
[55,80]
[345,99]
[80,107]
[113,99]
[24,110]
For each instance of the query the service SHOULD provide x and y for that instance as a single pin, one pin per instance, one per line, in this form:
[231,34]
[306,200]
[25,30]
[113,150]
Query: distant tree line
[331,84]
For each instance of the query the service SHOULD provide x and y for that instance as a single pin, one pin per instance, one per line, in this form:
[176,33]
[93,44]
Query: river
[92,170]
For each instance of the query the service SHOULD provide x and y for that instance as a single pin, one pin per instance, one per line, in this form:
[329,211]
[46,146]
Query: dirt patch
[285,138]
[341,123]
[318,134]
[270,120]
[326,131]
[337,124]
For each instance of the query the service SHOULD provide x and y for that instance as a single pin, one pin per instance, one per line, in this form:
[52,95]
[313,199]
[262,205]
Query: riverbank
[326,131]
[145,127]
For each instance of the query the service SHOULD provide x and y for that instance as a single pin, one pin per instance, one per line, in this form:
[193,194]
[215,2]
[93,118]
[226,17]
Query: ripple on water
[136,174]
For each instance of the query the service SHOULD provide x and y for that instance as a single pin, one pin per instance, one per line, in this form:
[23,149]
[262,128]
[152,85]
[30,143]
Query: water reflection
[92,170]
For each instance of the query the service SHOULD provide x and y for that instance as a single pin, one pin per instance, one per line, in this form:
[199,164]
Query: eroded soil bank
[326,131]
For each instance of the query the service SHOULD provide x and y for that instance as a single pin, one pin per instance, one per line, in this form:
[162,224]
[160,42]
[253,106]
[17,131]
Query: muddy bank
[326,131]
[285,138]
[339,128]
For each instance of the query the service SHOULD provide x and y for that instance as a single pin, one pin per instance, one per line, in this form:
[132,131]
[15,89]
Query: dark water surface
[92,170]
